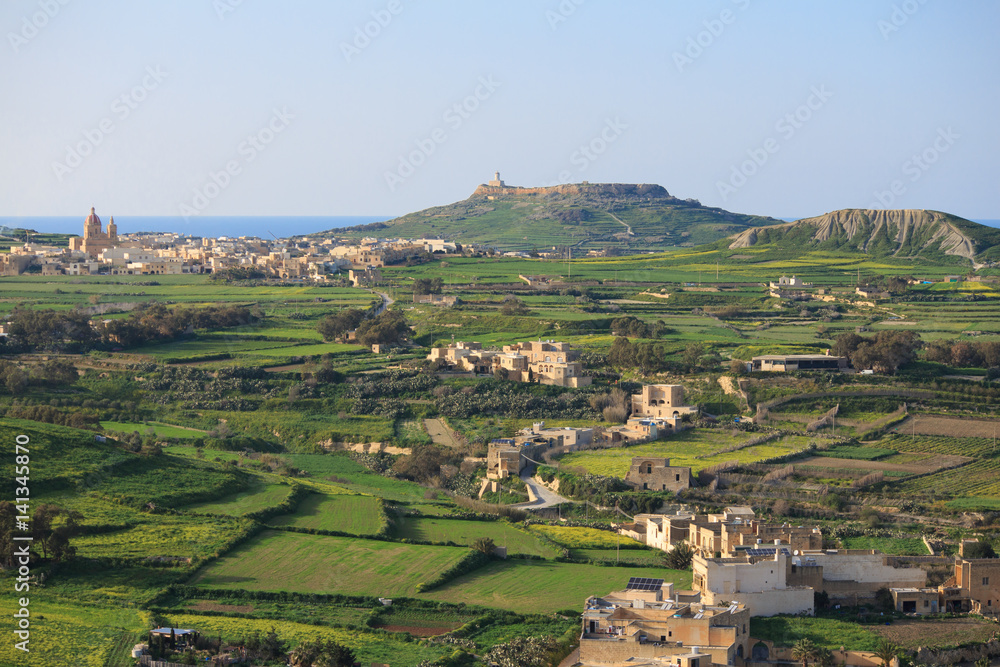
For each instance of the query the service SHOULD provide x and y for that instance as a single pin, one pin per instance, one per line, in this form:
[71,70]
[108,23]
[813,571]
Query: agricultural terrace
[515,584]
[360,515]
[503,534]
[368,645]
[259,496]
[697,448]
[283,561]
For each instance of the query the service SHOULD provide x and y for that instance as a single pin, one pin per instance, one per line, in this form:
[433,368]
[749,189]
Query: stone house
[648,620]
[656,474]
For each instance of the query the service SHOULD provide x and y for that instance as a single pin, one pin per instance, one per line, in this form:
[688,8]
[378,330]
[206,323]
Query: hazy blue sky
[784,108]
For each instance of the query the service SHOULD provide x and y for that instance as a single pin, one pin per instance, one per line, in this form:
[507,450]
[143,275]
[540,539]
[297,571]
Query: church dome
[92,218]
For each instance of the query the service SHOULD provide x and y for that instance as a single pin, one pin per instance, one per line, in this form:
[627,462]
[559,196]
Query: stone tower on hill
[496,182]
[95,240]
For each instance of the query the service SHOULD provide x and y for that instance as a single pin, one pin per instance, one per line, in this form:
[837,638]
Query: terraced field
[282,561]
[360,515]
[458,531]
[515,585]
[684,449]
[980,479]
[259,496]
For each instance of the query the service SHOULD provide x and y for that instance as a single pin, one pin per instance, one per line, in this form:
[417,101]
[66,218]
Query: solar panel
[766,552]
[644,584]
[760,552]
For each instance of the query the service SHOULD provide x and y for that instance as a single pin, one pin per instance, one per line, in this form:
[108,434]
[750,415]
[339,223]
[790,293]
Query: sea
[278,226]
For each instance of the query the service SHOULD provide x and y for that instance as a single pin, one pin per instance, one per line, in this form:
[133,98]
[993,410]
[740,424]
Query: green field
[344,471]
[282,561]
[682,450]
[458,531]
[69,634]
[585,538]
[643,557]
[360,515]
[368,646]
[257,497]
[543,586]
[827,633]
[161,430]
[896,546]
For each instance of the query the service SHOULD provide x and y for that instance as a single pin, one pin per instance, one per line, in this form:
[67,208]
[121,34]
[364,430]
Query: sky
[317,108]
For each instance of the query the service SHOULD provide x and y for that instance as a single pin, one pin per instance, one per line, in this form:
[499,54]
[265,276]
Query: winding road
[386,302]
[541,496]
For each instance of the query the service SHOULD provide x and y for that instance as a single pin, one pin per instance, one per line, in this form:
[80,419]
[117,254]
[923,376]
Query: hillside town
[101,250]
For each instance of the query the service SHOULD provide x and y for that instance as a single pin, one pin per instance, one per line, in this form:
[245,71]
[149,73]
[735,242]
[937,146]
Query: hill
[906,234]
[587,216]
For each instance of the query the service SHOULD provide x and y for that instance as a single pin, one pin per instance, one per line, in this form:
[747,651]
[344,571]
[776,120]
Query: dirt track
[440,433]
[932,463]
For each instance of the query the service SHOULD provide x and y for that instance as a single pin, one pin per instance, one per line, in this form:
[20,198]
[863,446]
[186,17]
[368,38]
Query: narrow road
[628,228]
[542,496]
[386,302]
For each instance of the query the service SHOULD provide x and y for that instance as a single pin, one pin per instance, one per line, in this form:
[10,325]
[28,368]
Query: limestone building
[648,620]
[95,240]
[656,474]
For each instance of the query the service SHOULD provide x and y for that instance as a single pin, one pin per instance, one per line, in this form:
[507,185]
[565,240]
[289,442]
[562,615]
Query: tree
[484,545]
[622,353]
[886,650]
[321,654]
[680,557]
[387,328]
[513,306]
[427,286]
[692,353]
[805,650]
[335,325]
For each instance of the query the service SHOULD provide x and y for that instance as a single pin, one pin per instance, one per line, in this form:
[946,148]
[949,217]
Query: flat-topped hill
[587,216]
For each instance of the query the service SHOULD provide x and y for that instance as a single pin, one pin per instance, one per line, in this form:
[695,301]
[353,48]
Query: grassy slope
[281,561]
[351,514]
[543,586]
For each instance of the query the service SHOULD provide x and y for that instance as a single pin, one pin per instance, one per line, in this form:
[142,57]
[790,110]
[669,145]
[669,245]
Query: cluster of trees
[514,400]
[50,415]
[157,322]
[15,379]
[885,352]
[386,328]
[335,325]
[968,354]
[648,357]
[49,330]
[71,331]
[51,529]
[239,273]
[427,286]
[633,327]
[513,306]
